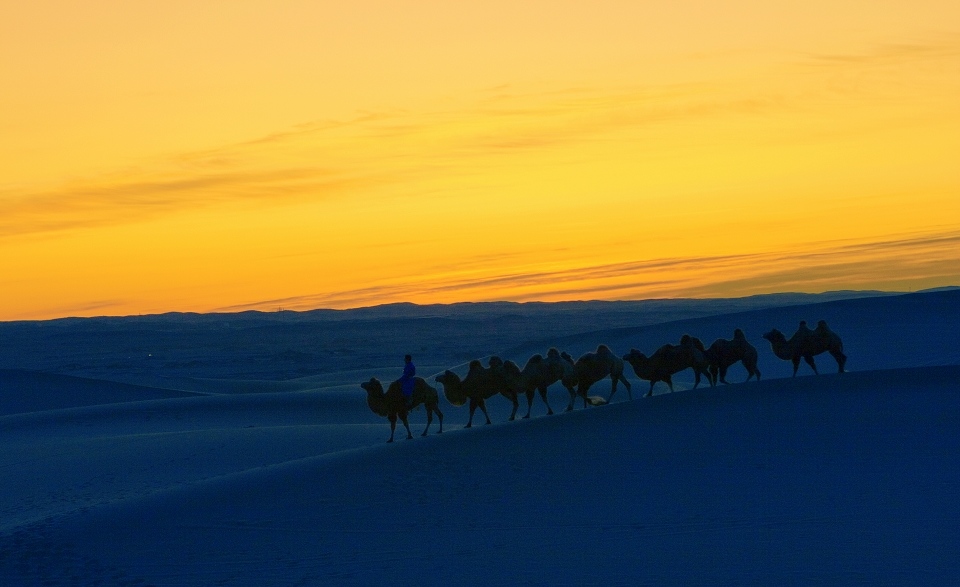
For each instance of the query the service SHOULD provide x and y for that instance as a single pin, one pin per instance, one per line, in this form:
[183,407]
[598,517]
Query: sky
[198,156]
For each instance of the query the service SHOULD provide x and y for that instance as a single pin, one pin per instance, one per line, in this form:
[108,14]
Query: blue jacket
[406,380]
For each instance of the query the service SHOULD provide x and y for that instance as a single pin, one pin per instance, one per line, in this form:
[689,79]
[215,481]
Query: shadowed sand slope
[847,479]
[30,391]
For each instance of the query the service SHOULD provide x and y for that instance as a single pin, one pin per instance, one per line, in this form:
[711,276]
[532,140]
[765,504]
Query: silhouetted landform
[167,350]
[806,344]
[392,405]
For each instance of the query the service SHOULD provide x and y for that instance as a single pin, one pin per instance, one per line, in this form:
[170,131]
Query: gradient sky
[201,156]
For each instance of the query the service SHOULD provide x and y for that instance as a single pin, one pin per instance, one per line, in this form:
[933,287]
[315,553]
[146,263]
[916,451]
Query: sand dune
[32,391]
[836,479]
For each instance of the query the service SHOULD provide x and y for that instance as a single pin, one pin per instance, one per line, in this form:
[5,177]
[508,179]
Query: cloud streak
[923,261]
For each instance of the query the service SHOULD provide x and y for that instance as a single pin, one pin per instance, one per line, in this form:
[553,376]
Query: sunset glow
[180,156]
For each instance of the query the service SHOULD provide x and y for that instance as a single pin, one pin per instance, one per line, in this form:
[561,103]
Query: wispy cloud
[920,261]
[135,197]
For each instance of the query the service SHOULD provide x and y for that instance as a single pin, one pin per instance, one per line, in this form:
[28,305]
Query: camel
[724,353]
[478,386]
[563,366]
[507,377]
[806,344]
[660,366]
[537,375]
[391,404]
[671,359]
[691,348]
[592,367]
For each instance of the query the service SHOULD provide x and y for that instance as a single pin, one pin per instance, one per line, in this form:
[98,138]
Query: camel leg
[669,381]
[473,408]
[649,393]
[723,374]
[702,372]
[796,365]
[627,385]
[841,360]
[713,374]
[393,425]
[429,419]
[543,394]
[516,406]
[613,387]
[573,398]
[812,363]
[752,370]
[582,392]
[406,424]
[483,407]
[529,395]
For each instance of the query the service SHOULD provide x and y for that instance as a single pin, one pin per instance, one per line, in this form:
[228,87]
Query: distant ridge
[466,309]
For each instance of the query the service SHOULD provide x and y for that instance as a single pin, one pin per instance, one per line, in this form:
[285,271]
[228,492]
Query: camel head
[640,362]
[691,341]
[775,336]
[566,357]
[447,377]
[452,387]
[373,386]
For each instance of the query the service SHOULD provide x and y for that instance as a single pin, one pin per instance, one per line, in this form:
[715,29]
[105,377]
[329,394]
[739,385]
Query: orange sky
[180,156]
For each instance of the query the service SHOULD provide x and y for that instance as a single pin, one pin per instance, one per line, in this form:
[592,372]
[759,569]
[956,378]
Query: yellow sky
[199,156]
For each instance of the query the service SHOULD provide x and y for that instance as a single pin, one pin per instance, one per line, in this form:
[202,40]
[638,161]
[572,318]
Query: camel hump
[495,361]
[739,335]
[604,350]
[552,352]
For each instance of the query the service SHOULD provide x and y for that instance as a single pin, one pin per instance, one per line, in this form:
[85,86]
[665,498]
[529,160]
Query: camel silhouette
[806,344]
[392,405]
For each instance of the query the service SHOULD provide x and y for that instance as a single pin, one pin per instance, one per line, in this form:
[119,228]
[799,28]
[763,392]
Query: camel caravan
[508,379]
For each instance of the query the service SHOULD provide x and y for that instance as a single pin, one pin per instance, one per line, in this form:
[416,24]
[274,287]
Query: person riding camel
[406,380]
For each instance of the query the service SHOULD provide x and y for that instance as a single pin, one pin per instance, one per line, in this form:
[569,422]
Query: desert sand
[238,449]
